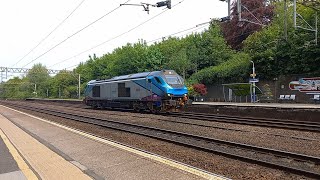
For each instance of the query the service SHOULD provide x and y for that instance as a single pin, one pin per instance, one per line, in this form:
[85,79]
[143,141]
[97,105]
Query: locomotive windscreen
[173,79]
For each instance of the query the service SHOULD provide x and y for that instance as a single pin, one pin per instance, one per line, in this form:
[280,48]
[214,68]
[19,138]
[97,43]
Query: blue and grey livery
[156,91]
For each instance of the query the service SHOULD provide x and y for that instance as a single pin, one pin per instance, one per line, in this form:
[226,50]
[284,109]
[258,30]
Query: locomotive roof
[137,75]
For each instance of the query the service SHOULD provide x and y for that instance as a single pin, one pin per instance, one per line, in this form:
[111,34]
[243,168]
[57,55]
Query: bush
[200,89]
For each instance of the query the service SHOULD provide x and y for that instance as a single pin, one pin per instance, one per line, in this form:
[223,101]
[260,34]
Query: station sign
[253,80]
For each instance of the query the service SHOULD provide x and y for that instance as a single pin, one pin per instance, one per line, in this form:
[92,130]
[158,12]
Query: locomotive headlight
[169,95]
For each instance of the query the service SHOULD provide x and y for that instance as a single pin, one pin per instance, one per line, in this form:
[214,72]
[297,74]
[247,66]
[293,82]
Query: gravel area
[307,143]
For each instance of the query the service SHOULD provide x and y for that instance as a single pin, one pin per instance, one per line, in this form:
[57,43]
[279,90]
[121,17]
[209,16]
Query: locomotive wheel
[136,109]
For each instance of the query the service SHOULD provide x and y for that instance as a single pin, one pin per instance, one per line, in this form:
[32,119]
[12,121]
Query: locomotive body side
[142,91]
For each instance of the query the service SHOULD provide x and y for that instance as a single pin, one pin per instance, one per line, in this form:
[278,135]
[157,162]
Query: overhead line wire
[75,33]
[231,37]
[195,28]
[116,36]
[199,27]
[50,33]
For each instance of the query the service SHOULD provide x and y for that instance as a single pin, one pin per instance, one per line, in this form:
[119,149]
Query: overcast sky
[25,23]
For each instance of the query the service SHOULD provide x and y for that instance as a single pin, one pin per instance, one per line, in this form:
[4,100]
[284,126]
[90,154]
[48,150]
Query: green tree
[276,55]
[64,84]
[38,76]
[233,70]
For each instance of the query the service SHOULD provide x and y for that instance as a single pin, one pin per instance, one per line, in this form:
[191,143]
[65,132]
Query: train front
[177,92]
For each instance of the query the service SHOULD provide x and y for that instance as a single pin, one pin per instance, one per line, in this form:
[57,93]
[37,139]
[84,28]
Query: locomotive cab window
[173,79]
[96,91]
[158,80]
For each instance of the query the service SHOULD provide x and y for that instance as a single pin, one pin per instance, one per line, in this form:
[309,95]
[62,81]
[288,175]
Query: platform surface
[8,167]
[271,105]
[53,151]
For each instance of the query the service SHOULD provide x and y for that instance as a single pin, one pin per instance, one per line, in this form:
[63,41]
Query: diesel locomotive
[156,91]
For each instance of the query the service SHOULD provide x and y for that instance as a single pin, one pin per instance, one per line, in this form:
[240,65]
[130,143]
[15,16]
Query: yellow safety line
[169,162]
[20,161]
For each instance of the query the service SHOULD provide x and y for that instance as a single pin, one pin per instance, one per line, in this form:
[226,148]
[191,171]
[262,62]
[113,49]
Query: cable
[116,36]
[195,28]
[231,37]
[198,27]
[75,34]
[72,66]
[50,33]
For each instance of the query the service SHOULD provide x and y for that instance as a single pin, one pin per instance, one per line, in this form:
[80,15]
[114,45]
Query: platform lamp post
[253,75]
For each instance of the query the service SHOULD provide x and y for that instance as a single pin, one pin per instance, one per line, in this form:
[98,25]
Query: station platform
[34,148]
[270,105]
[291,111]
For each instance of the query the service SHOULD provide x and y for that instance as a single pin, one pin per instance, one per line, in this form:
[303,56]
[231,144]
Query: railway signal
[147,5]
[164,3]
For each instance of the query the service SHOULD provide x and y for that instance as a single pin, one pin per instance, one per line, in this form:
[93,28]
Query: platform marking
[169,162]
[20,161]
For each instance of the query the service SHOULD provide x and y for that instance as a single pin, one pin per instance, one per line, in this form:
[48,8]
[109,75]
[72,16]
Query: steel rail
[255,121]
[191,140]
[274,123]
[195,123]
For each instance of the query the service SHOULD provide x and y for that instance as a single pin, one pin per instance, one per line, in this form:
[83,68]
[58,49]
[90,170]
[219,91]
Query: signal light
[164,3]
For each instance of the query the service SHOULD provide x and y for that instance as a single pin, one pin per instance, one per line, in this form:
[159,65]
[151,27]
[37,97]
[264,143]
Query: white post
[35,89]
[79,86]
[253,84]
[251,92]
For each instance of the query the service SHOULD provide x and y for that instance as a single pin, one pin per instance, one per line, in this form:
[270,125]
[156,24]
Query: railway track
[300,164]
[264,122]
[253,121]
[193,122]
